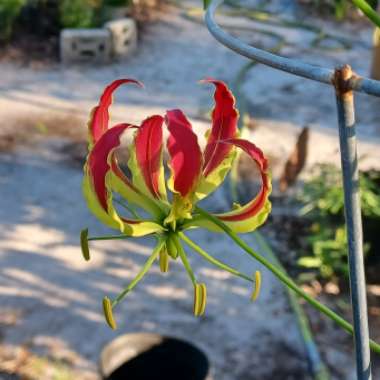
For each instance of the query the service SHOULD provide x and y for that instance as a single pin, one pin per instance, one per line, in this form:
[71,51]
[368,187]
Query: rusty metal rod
[349,159]
[292,66]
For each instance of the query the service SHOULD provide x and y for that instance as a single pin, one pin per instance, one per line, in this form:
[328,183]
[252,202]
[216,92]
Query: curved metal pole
[299,68]
[345,82]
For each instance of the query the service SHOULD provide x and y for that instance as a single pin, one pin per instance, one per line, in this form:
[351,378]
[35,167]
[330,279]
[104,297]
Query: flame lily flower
[170,204]
[168,197]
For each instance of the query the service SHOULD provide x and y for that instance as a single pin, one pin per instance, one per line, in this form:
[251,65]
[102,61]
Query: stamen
[200,291]
[84,244]
[164,260]
[107,309]
[141,274]
[256,290]
[212,259]
[184,260]
[108,237]
[200,299]
[171,246]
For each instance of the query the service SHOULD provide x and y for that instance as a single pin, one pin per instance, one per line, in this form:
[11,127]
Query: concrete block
[85,45]
[124,36]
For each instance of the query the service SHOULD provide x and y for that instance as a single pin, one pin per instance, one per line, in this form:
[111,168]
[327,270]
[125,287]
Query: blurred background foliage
[323,205]
[48,17]
[9,11]
[339,8]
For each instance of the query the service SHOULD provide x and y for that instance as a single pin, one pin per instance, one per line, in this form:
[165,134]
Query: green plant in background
[340,8]
[77,13]
[323,201]
[116,3]
[9,10]
[368,8]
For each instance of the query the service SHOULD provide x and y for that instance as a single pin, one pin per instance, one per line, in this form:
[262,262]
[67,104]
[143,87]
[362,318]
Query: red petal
[148,143]
[224,126]
[257,155]
[98,164]
[100,116]
[186,156]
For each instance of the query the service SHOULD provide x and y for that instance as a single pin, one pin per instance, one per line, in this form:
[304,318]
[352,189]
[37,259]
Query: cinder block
[85,45]
[124,36]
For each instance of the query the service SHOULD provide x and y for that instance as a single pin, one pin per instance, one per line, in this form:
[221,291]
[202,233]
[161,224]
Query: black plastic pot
[146,356]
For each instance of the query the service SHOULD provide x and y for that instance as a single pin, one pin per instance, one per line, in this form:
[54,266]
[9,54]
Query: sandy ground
[55,297]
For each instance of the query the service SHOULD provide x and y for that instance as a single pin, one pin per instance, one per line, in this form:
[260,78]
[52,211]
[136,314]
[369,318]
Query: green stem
[108,237]
[283,277]
[184,259]
[213,260]
[142,272]
[368,11]
[318,368]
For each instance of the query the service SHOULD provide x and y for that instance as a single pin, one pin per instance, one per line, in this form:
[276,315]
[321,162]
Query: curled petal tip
[131,80]
[209,80]
[107,309]
[205,80]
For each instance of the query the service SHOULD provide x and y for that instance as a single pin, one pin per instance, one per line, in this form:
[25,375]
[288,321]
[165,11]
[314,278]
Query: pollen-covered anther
[164,260]
[257,286]
[84,244]
[200,299]
[107,309]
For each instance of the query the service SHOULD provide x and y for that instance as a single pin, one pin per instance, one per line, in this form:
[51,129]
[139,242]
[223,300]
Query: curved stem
[141,274]
[319,370]
[283,277]
[108,237]
[316,364]
[213,260]
[184,259]
[368,11]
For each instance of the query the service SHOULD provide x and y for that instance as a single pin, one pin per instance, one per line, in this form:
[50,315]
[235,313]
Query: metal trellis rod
[345,83]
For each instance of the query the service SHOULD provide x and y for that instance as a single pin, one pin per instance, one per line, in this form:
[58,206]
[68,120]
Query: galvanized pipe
[345,83]
[288,65]
[349,159]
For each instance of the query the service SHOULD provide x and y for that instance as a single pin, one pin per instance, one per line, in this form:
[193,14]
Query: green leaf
[206,4]
[310,262]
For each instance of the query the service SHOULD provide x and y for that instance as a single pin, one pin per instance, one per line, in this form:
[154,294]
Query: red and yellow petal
[98,180]
[185,164]
[218,157]
[99,119]
[97,161]
[250,216]
[146,158]
[224,126]
[185,154]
